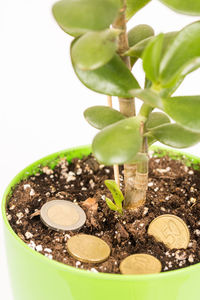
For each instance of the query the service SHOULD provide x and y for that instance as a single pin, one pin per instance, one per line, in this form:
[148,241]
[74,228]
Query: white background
[41,100]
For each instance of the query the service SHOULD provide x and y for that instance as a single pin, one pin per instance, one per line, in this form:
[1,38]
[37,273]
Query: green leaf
[139,33]
[185,110]
[182,52]
[168,39]
[174,135]
[118,143]
[94,49]
[137,50]
[134,6]
[115,191]
[190,7]
[102,116]
[113,79]
[156,119]
[149,97]
[140,158]
[79,16]
[151,58]
[151,140]
[111,205]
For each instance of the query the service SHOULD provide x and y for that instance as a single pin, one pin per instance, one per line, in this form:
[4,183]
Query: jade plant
[103,54]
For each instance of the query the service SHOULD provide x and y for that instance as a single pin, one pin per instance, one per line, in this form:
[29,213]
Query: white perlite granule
[94,270]
[47,171]
[28,235]
[9,217]
[79,171]
[38,248]
[180,255]
[27,186]
[47,250]
[50,256]
[32,245]
[20,215]
[78,263]
[70,176]
[12,207]
[197,232]
[191,258]
[32,192]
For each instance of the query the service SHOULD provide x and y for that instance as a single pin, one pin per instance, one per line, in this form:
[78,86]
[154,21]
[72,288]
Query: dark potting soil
[173,189]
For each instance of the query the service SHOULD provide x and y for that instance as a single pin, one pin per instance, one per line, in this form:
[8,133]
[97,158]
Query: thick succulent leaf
[102,116]
[115,191]
[174,135]
[147,83]
[156,119]
[185,110]
[184,49]
[94,49]
[189,67]
[134,6]
[79,16]
[149,97]
[190,7]
[180,75]
[140,158]
[168,39]
[113,79]
[151,140]
[151,58]
[139,33]
[118,143]
[138,49]
[167,92]
[111,205]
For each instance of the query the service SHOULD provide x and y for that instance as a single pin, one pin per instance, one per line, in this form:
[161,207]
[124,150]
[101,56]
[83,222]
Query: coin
[171,230]
[88,248]
[62,215]
[140,264]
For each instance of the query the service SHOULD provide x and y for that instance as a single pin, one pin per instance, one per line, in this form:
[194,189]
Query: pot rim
[74,270]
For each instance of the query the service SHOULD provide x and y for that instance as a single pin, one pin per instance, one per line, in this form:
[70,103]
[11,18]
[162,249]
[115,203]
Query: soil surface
[173,189]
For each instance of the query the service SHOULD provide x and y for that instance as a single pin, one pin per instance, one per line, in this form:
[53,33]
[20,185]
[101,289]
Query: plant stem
[115,167]
[109,100]
[140,185]
[126,105]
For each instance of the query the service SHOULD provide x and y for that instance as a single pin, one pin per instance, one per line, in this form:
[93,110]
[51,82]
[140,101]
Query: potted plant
[103,54]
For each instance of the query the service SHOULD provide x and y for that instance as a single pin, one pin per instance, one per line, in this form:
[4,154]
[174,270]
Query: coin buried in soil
[88,248]
[171,230]
[62,215]
[140,264]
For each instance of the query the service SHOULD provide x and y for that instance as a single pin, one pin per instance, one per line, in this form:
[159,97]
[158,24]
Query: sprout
[117,196]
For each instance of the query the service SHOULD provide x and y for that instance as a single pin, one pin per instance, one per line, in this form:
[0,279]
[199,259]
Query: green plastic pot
[35,277]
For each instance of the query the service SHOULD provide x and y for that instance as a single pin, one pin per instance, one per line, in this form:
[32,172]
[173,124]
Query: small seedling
[117,196]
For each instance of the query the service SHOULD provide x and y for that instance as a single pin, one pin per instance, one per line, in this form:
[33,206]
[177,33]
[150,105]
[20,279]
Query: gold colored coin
[140,264]
[171,230]
[62,215]
[88,248]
